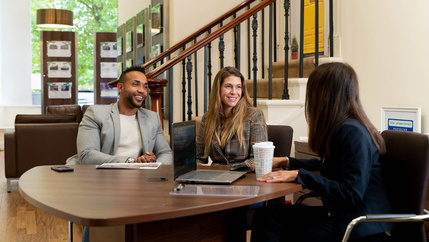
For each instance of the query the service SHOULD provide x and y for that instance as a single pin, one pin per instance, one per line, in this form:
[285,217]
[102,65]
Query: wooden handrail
[209,38]
[196,34]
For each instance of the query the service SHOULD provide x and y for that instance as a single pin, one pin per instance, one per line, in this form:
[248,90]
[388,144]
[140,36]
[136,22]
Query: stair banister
[209,38]
[197,34]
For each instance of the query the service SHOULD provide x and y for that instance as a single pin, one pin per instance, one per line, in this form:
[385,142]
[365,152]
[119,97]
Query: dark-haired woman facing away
[350,181]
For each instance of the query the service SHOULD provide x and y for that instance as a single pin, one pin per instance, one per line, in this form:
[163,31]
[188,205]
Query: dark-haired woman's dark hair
[332,97]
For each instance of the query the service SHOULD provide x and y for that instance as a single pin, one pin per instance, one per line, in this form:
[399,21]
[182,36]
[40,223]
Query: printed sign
[400,124]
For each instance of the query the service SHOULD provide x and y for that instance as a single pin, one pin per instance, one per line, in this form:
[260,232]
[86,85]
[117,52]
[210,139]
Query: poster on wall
[59,69]
[58,48]
[401,118]
[59,90]
[108,69]
[108,92]
[108,50]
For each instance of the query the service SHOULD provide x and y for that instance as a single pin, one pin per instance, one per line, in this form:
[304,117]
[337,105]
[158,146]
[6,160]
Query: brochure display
[59,90]
[59,48]
[58,68]
[106,49]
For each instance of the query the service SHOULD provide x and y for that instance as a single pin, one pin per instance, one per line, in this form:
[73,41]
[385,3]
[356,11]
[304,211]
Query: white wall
[388,45]
[15,61]
[130,8]
[15,53]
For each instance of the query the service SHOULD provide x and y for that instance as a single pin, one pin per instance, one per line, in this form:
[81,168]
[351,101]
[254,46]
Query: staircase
[234,35]
[287,112]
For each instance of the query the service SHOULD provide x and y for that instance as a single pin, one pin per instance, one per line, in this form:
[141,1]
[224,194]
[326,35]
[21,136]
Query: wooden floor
[20,221]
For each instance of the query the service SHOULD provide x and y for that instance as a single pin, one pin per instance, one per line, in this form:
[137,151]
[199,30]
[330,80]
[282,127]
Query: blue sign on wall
[400,124]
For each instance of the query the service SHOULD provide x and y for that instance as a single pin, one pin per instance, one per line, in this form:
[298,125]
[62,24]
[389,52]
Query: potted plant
[294,48]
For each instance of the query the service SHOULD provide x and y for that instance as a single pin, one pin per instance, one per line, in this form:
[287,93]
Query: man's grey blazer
[99,133]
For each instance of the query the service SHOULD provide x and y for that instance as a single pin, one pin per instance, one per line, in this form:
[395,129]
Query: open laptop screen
[183,138]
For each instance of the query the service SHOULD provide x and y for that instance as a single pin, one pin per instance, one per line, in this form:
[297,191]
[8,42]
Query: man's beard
[134,104]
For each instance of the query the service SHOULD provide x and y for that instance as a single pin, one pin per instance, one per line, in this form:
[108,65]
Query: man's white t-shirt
[130,140]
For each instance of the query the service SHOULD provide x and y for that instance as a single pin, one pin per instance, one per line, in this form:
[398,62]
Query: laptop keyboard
[202,175]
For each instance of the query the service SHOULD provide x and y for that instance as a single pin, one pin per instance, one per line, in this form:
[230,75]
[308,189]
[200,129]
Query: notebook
[185,163]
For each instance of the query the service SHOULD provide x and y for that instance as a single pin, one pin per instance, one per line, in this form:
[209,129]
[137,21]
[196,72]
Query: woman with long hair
[232,125]
[350,182]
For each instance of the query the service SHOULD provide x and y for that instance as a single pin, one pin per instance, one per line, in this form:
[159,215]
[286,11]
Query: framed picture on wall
[129,41]
[119,45]
[140,35]
[156,12]
[119,69]
[401,118]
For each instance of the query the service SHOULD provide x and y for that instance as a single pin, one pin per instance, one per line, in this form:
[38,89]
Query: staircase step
[296,88]
[262,88]
[293,70]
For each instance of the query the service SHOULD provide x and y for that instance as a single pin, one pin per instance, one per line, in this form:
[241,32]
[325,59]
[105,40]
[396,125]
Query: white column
[15,53]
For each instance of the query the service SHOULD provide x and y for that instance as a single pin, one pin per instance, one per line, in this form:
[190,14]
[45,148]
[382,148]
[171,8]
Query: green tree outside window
[89,16]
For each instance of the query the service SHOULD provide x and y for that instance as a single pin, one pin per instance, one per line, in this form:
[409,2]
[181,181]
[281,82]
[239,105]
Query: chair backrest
[281,136]
[38,118]
[71,109]
[406,169]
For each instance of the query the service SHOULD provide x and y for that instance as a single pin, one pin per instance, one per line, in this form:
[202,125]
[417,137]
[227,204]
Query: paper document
[129,166]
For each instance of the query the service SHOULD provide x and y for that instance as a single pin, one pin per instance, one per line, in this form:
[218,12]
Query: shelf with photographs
[59,68]
[106,51]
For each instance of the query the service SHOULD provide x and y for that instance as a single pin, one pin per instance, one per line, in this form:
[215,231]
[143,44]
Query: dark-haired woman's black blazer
[350,181]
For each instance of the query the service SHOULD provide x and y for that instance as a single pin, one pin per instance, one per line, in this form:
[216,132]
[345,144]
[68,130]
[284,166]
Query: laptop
[185,164]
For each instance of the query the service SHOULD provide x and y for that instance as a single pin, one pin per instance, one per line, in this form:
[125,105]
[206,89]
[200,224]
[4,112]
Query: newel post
[156,92]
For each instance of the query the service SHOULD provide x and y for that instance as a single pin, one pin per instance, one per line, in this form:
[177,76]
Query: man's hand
[148,157]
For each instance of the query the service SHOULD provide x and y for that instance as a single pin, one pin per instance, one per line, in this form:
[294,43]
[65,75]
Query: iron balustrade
[231,22]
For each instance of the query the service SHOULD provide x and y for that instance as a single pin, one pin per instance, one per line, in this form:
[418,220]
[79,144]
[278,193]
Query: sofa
[47,139]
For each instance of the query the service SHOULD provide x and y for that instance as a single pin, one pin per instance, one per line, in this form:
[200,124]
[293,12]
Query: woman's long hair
[215,113]
[332,97]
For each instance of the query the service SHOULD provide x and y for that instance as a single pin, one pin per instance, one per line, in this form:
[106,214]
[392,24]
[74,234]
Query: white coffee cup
[263,153]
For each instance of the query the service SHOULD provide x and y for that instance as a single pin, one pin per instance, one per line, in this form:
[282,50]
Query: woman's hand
[280,176]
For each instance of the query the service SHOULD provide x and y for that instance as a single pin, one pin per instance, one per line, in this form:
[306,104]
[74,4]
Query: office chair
[281,136]
[406,167]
